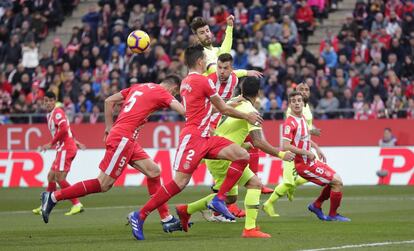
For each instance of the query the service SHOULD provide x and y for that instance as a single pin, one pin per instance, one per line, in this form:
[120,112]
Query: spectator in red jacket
[35,94]
[305,20]
[220,14]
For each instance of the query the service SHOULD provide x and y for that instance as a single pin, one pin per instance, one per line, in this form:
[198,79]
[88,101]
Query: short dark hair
[250,87]
[293,94]
[225,57]
[172,79]
[51,95]
[192,54]
[197,23]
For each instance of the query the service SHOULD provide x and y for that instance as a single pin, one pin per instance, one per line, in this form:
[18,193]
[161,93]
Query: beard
[206,42]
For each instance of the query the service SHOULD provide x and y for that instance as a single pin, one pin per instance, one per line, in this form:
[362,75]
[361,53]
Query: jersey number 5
[132,100]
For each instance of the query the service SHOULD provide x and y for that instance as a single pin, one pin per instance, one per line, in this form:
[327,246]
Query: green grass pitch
[379,214]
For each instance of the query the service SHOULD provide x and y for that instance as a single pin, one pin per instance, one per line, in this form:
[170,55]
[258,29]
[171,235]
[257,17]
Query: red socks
[78,190]
[153,184]
[336,198]
[51,187]
[325,194]
[234,173]
[160,197]
[64,184]
[254,160]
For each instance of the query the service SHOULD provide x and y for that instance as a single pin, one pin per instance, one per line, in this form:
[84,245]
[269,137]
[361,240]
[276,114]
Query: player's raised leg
[162,196]
[147,166]
[240,159]
[190,151]
[77,207]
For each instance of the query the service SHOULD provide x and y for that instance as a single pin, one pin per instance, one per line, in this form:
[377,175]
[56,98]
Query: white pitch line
[377,244]
[359,198]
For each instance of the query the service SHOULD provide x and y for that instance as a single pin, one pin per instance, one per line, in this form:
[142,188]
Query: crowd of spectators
[365,71]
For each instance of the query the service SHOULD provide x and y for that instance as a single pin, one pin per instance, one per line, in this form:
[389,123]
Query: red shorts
[120,151]
[319,173]
[192,148]
[63,160]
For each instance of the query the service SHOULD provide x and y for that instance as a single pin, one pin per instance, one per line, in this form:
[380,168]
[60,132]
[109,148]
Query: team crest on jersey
[58,116]
[186,165]
[287,129]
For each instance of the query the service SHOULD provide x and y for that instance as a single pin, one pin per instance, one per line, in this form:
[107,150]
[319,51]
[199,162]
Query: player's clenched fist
[230,20]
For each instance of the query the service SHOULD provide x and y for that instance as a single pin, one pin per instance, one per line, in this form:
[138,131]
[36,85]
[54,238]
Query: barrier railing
[34,118]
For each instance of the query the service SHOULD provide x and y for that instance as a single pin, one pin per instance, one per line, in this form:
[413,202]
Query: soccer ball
[138,41]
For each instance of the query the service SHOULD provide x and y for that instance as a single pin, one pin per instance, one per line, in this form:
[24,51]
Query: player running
[236,130]
[296,138]
[66,148]
[291,179]
[121,145]
[198,95]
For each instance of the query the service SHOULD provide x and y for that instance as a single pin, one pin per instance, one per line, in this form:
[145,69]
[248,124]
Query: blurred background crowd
[366,71]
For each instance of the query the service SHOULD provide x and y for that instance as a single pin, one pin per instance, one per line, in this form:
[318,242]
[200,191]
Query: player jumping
[236,130]
[66,148]
[291,179]
[296,138]
[198,95]
[121,146]
[202,31]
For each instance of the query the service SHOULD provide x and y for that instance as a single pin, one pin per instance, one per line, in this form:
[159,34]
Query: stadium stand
[363,72]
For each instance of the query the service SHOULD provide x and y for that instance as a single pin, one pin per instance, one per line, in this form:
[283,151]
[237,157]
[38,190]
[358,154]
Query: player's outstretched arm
[260,142]
[110,101]
[289,147]
[228,38]
[248,73]
[176,106]
[252,117]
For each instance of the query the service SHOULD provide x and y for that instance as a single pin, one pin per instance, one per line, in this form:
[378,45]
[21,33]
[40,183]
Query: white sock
[53,198]
[167,219]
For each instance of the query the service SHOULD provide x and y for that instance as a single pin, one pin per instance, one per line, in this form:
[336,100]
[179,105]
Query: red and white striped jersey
[225,90]
[296,131]
[196,91]
[59,127]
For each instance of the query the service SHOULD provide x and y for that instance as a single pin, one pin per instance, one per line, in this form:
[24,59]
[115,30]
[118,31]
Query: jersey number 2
[132,100]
